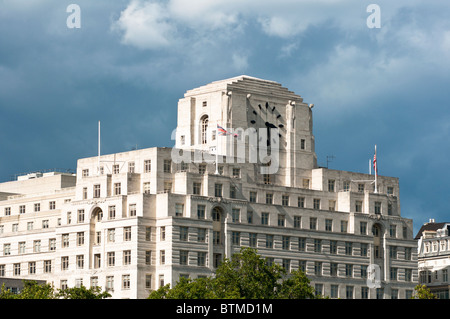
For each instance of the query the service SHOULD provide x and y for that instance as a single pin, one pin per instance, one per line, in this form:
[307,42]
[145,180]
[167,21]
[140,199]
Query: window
[31,268]
[112,212]
[167,166]
[85,172]
[127,257]
[85,192]
[313,223]
[162,257]
[235,215]
[269,241]
[250,217]
[358,206]
[218,190]
[346,186]
[197,188]
[204,129]
[301,202]
[252,237]
[65,240]
[132,210]
[147,166]
[80,261]
[333,247]
[297,221]
[377,208]
[267,179]
[264,218]
[364,249]
[301,244]
[349,292]
[80,238]
[116,169]
[236,172]
[202,169]
[328,225]
[184,231]
[317,245]
[281,220]
[148,257]
[252,197]
[111,235]
[285,200]
[131,167]
[302,144]
[390,190]
[363,228]
[236,238]
[285,242]
[22,247]
[316,202]
[269,198]
[97,261]
[233,191]
[393,231]
[333,269]
[109,283]
[167,187]
[162,233]
[179,210]
[126,282]
[361,188]
[52,205]
[22,209]
[201,211]
[201,235]
[331,184]
[344,226]
[7,211]
[318,268]
[37,207]
[201,259]
[127,233]
[111,258]
[148,233]
[348,248]
[146,187]
[96,191]
[117,188]
[47,266]
[216,238]
[80,218]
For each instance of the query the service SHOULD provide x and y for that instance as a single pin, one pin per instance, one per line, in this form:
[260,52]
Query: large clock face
[267,116]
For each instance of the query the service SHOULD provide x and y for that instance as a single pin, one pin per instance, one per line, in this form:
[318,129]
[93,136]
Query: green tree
[245,276]
[423,292]
[83,293]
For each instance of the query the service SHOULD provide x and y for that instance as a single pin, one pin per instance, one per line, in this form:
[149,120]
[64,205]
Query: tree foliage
[245,276]
[33,290]
[423,292]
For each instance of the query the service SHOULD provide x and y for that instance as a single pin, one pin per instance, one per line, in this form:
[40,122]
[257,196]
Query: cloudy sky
[131,60]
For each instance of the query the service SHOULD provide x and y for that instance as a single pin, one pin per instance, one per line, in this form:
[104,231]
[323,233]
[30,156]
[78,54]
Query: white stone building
[133,221]
[433,243]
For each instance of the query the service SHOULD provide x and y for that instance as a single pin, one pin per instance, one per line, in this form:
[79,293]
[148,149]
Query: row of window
[436,246]
[65,241]
[350,291]
[312,223]
[36,208]
[427,276]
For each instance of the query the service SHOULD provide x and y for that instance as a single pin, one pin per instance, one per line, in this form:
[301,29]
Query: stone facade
[132,221]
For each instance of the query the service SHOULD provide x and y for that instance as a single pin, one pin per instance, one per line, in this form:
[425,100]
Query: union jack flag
[221,131]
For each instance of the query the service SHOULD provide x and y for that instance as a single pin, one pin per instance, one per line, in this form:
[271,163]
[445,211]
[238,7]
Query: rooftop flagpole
[98,156]
[375,167]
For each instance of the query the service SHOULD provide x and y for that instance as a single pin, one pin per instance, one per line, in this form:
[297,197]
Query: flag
[375,162]
[221,131]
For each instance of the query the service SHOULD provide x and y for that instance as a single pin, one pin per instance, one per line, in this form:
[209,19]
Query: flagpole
[370,166]
[217,152]
[376,169]
[98,156]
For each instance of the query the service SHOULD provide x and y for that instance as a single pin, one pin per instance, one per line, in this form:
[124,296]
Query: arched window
[216,215]
[203,129]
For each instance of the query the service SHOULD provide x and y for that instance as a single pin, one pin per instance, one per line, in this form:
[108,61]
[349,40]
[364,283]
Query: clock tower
[265,124]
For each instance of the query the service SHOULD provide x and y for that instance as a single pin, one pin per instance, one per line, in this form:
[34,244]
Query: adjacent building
[243,172]
[433,244]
